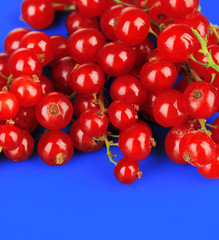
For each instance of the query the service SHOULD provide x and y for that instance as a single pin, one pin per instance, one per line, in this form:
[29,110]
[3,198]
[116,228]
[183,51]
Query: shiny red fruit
[136,142]
[46,84]
[23,151]
[59,44]
[168,109]
[177,42]
[55,148]
[85,44]
[197,148]
[24,62]
[215,131]
[4,57]
[54,111]
[83,142]
[126,171]
[37,14]
[9,105]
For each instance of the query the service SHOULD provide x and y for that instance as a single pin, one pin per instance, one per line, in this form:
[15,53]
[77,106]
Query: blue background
[83,200]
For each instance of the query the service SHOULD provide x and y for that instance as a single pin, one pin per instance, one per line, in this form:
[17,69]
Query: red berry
[54,111]
[38,14]
[87,79]
[55,148]
[27,89]
[91,8]
[59,43]
[136,142]
[132,26]
[127,88]
[126,171]
[200,100]
[26,119]
[211,170]
[117,59]
[9,105]
[121,114]
[93,122]
[158,75]
[182,84]
[61,72]
[13,39]
[82,103]
[24,62]
[40,44]
[177,42]
[168,109]
[46,84]
[172,143]
[10,136]
[83,142]
[84,45]
[4,68]
[76,20]
[197,148]
[108,21]
[215,131]
[23,151]
[147,107]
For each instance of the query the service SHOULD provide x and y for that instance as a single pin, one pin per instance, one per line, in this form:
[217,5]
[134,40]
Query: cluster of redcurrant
[109,48]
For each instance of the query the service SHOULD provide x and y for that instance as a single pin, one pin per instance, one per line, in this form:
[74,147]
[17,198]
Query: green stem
[149,9]
[72,96]
[111,135]
[213,76]
[123,3]
[215,31]
[66,7]
[109,153]
[203,127]
[1,148]
[10,80]
[145,4]
[152,32]
[204,50]
[211,126]
[3,76]
[195,75]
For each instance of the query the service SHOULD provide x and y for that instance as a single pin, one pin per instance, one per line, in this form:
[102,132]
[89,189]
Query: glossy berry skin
[158,75]
[87,79]
[147,107]
[199,22]
[182,84]
[135,141]
[38,14]
[84,45]
[27,89]
[76,20]
[108,21]
[91,8]
[26,119]
[116,59]
[200,100]
[121,114]
[9,105]
[127,88]
[215,131]
[83,142]
[61,72]
[13,39]
[23,151]
[93,122]
[24,62]
[172,142]
[197,148]
[211,170]
[46,84]
[40,44]
[55,148]
[177,42]
[4,57]
[126,171]
[168,109]
[132,26]
[82,103]
[54,111]
[143,50]
[59,43]
[10,136]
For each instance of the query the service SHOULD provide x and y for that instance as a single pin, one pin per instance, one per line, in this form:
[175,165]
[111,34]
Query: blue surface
[82,200]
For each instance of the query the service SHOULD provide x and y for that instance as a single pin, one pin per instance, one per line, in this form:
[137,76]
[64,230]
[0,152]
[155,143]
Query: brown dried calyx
[10,122]
[153,143]
[35,79]
[139,174]
[197,94]
[53,110]
[60,158]
[41,57]
[187,157]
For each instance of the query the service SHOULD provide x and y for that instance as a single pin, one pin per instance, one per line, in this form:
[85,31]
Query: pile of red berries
[108,51]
